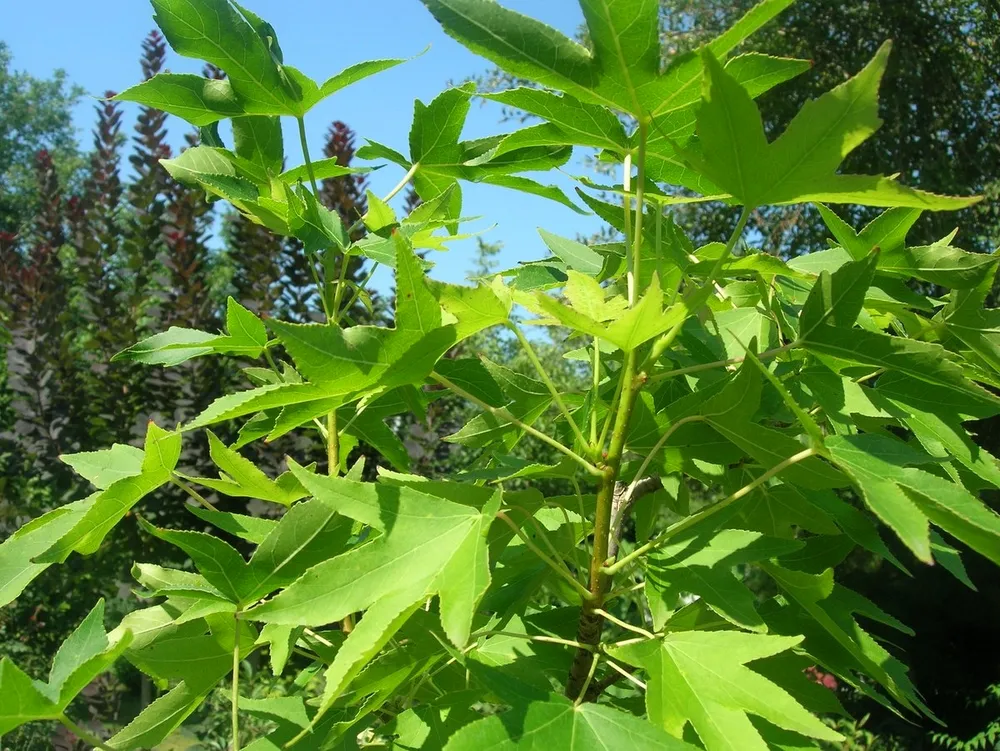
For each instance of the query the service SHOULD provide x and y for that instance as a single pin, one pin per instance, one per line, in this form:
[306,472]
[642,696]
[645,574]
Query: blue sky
[98,42]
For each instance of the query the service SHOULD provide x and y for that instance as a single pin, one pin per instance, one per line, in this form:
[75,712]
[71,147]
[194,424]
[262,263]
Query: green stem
[332,437]
[730,245]
[358,288]
[596,388]
[236,686]
[83,734]
[690,521]
[543,374]
[303,141]
[590,676]
[612,410]
[387,197]
[640,197]
[503,414]
[191,492]
[591,621]
[662,344]
[332,444]
[584,592]
[656,448]
[657,377]
[531,637]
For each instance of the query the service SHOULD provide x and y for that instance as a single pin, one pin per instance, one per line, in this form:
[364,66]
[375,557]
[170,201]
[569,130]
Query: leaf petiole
[503,414]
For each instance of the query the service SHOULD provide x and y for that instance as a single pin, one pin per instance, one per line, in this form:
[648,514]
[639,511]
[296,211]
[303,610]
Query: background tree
[36,115]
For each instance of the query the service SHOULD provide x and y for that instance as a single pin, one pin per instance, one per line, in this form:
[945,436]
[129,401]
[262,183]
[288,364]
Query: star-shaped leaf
[440,159]
[908,498]
[800,165]
[623,71]
[702,678]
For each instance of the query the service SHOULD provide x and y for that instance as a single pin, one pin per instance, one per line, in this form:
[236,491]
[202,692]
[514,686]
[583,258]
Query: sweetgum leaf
[908,498]
[702,678]
[555,722]
[107,508]
[200,101]
[800,165]
[429,545]
[214,31]
[86,653]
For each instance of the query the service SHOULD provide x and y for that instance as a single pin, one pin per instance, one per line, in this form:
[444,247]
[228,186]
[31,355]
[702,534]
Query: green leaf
[247,336]
[706,570]
[833,635]
[921,360]
[214,31]
[520,45]
[259,140]
[837,299]
[18,552]
[800,166]
[103,468]
[217,561]
[576,256]
[323,169]
[976,326]
[200,101]
[570,122]
[634,327]
[250,528]
[623,73]
[429,545]
[702,678]
[107,508]
[241,478]
[312,95]
[313,223]
[160,719]
[442,160]
[555,722]
[887,231]
[86,653]
[939,263]
[308,534]
[908,499]
[943,437]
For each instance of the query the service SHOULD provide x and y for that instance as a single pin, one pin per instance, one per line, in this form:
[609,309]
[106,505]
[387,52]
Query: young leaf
[241,478]
[702,678]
